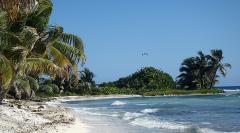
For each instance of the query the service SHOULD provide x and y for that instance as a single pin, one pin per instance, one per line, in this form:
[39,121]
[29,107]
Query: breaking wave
[118,103]
[146,111]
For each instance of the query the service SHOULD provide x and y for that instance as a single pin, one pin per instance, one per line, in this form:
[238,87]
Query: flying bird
[144,54]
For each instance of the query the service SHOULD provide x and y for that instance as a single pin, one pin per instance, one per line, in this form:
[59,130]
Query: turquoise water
[167,114]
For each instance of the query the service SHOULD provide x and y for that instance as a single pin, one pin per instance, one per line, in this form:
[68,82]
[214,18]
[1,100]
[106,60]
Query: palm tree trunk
[213,78]
[1,94]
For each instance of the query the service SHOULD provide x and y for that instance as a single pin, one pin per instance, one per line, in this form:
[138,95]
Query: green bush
[182,92]
[46,89]
[111,90]
[148,78]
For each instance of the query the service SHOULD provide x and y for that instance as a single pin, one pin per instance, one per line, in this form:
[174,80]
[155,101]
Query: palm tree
[87,76]
[13,7]
[201,71]
[216,65]
[6,74]
[189,73]
[29,47]
[202,66]
[86,80]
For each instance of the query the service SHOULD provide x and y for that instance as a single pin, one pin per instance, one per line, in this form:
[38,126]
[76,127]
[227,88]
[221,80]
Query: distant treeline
[199,72]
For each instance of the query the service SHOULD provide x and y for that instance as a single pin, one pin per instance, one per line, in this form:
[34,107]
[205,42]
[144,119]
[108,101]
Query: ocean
[163,114]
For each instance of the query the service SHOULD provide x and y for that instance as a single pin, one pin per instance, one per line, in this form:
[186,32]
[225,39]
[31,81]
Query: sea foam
[94,111]
[151,123]
[118,103]
[131,115]
[233,90]
[162,124]
[146,111]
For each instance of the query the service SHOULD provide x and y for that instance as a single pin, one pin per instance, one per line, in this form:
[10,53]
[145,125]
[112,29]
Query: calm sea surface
[166,114]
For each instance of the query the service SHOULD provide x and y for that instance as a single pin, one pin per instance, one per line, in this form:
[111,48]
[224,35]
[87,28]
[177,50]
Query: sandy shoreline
[58,100]
[38,117]
[48,117]
[76,127]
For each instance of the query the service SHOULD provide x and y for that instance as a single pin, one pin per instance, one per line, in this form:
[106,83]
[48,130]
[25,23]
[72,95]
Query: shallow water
[169,114]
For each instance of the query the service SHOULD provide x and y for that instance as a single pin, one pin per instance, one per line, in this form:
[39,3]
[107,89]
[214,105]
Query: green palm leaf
[58,58]
[8,40]
[40,66]
[3,20]
[40,17]
[72,40]
[71,52]
[29,36]
[6,72]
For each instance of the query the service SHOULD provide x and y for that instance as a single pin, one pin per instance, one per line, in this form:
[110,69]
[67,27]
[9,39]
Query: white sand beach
[49,117]
[38,117]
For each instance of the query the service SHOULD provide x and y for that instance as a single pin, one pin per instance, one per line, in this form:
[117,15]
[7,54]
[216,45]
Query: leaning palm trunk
[212,83]
[1,94]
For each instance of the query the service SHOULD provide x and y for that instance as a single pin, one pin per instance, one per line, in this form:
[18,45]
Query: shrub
[148,78]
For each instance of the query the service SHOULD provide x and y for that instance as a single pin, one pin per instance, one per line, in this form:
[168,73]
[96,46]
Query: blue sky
[117,32]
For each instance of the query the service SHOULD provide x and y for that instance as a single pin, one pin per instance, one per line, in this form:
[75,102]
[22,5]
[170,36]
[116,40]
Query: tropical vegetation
[30,48]
[202,71]
[146,78]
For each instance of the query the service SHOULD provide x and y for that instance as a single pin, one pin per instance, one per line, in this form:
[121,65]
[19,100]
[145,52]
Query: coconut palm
[86,82]
[87,76]
[201,71]
[29,47]
[189,73]
[13,7]
[216,65]
[202,62]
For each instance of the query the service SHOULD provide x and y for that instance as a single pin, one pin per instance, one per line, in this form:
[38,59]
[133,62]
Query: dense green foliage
[182,92]
[202,71]
[31,48]
[147,78]
[112,91]
[146,92]
[57,87]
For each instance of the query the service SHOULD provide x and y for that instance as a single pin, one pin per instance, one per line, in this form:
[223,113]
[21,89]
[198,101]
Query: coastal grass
[147,92]
[129,91]
[182,92]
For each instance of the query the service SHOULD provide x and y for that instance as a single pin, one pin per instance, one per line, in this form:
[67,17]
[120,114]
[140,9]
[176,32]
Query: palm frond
[3,20]
[20,51]
[227,65]
[29,4]
[32,82]
[72,40]
[58,58]
[29,36]
[75,41]
[8,40]
[12,7]
[40,18]
[52,34]
[40,66]
[6,72]
[71,52]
